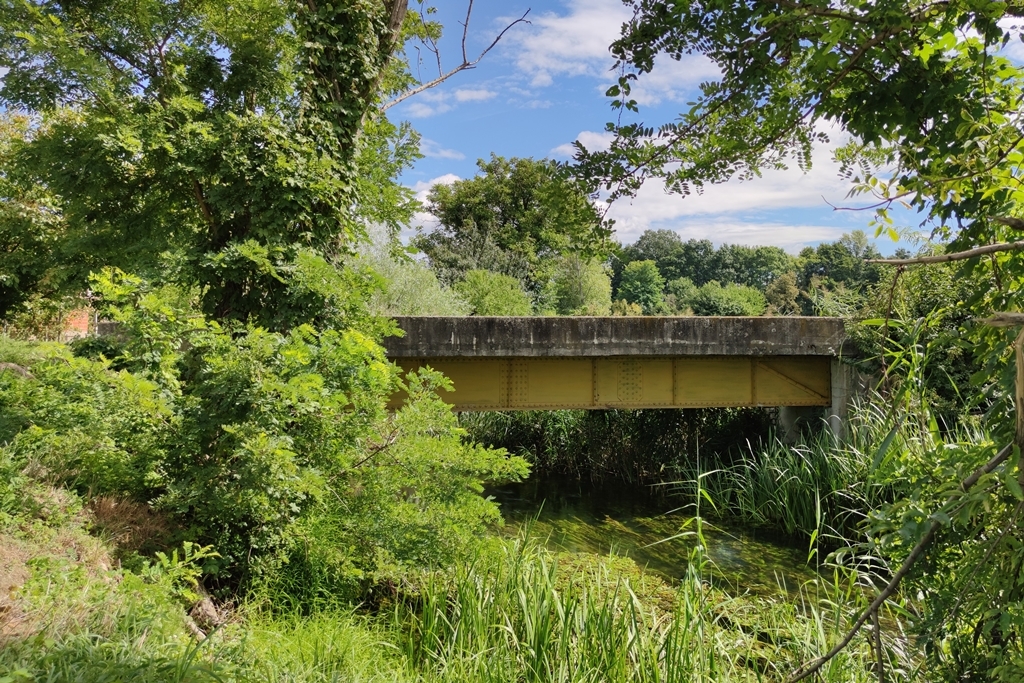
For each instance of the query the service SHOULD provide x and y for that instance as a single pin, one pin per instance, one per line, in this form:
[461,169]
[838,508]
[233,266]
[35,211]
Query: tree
[516,217]
[783,295]
[680,291]
[664,247]
[224,133]
[642,285]
[490,293]
[752,266]
[840,263]
[582,287]
[932,108]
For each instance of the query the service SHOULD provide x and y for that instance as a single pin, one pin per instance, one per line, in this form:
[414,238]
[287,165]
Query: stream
[641,523]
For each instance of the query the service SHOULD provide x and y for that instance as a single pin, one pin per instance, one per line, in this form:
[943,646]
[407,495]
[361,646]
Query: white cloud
[592,140]
[436,101]
[422,110]
[474,94]
[574,44]
[434,150]
[722,213]
[422,189]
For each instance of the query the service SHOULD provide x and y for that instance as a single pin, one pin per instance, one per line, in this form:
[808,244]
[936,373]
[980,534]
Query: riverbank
[520,612]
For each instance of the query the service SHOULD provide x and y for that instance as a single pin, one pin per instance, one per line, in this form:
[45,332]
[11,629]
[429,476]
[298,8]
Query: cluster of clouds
[787,208]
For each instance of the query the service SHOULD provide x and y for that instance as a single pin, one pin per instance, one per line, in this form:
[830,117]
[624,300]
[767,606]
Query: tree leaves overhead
[224,133]
[920,85]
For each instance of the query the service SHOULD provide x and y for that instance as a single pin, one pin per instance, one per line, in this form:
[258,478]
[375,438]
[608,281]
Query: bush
[257,443]
[407,287]
[494,294]
[715,299]
[582,288]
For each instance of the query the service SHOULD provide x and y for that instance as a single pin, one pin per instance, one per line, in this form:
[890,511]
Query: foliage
[642,284]
[253,439]
[93,430]
[30,228]
[582,287]
[699,261]
[406,286]
[783,296]
[731,299]
[223,133]
[840,264]
[516,218]
[490,293]
[786,68]
[622,307]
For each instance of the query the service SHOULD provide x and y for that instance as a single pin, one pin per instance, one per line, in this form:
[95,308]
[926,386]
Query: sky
[542,87]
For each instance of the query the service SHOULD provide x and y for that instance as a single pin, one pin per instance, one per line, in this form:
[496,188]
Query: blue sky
[543,87]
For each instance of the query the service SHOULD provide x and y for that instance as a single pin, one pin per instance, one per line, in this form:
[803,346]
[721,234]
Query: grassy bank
[102,577]
[522,614]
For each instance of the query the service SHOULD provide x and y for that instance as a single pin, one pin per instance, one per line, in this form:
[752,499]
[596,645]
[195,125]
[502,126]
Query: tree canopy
[223,135]
[515,217]
[931,103]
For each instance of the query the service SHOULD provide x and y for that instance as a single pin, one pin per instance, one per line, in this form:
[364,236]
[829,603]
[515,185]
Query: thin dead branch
[467,63]
[16,369]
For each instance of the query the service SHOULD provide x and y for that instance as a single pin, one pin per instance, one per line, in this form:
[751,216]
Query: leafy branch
[916,553]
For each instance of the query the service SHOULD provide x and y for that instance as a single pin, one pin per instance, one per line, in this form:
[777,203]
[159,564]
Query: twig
[466,62]
[16,369]
[813,667]
[946,258]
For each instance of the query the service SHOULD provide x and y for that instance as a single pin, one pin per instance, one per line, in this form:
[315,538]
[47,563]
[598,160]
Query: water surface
[649,526]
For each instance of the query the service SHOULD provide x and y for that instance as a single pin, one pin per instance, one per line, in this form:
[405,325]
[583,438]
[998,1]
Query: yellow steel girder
[630,382]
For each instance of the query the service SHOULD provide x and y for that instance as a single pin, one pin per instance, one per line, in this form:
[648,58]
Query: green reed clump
[822,488]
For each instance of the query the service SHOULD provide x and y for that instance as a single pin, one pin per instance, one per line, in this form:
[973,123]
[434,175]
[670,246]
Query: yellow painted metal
[631,382]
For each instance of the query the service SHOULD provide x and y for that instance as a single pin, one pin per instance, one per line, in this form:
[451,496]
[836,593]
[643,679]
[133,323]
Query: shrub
[642,284]
[715,299]
[582,288]
[494,294]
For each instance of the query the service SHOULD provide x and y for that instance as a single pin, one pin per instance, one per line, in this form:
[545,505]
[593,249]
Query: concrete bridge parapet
[584,337]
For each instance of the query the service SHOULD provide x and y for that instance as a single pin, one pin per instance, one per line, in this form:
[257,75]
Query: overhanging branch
[946,258]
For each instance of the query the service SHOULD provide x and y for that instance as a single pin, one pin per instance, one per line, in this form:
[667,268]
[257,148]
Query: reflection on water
[580,516]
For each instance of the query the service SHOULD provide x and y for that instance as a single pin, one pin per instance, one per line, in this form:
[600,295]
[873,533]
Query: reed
[529,618]
[824,488]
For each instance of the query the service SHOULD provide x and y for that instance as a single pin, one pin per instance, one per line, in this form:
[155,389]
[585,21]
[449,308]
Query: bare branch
[16,369]
[1004,319]
[812,668]
[886,202]
[946,258]
[466,63]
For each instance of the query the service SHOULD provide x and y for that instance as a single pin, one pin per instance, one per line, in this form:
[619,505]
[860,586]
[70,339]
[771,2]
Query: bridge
[547,363]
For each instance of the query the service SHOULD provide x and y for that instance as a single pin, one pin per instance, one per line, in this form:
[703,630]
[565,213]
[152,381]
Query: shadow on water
[581,516]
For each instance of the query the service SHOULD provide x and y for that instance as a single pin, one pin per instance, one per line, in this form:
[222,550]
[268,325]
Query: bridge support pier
[846,382]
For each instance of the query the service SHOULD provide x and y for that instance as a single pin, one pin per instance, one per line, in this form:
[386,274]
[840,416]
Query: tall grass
[528,619]
[823,488]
